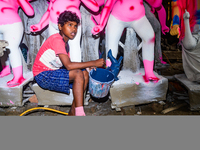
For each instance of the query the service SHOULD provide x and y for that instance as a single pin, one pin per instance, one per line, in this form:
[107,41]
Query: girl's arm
[80,65]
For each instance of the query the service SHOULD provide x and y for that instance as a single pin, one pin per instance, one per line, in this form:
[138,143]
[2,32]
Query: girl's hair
[67,16]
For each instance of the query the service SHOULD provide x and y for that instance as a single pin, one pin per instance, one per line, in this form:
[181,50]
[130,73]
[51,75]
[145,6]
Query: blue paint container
[100,82]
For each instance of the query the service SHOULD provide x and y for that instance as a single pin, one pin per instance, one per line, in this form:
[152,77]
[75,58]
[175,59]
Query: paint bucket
[100,82]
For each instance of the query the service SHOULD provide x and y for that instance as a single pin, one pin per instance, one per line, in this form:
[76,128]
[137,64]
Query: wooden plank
[172,55]
[173,108]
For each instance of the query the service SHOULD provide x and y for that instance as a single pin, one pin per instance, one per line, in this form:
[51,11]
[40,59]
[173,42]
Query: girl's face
[69,30]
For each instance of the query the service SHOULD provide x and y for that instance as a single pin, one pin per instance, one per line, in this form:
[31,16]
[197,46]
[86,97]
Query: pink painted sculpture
[118,14]
[157,5]
[11,30]
[178,9]
[50,18]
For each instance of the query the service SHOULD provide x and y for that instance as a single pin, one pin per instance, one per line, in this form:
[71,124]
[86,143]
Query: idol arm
[91,4]
[105,13]
[44,21]
[26,6]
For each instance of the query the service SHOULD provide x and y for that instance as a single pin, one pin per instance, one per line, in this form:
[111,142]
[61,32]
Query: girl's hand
[90,68]
[100,62]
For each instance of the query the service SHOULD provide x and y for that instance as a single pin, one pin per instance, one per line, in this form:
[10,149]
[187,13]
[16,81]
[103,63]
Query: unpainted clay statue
[191,50]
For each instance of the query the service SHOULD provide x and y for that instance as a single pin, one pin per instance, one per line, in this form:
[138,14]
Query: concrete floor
[104,109]
[176,103]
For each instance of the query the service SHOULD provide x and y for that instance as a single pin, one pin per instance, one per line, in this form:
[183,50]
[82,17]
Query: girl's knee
[76,75]
[79,73]
[79,76]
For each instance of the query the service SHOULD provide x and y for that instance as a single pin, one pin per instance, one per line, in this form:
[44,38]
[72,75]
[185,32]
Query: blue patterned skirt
[55,80]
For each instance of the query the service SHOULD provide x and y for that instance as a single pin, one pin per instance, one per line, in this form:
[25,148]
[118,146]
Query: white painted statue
[122,14]
[11,30]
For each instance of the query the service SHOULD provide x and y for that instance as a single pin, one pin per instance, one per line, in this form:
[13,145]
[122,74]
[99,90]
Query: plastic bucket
[100,82]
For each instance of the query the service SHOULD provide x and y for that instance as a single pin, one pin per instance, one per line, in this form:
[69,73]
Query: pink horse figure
[50,18]
[11,30]
[118,14]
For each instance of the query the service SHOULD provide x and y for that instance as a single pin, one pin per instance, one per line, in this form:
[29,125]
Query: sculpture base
[193,91]
[131,89]
[13,96]
[46,97]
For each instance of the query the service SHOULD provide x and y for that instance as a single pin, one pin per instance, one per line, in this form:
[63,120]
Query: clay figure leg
[53,28]
[157,29]
[144,29]
[114,31]
[13,34]
[75,48]
[89,43]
